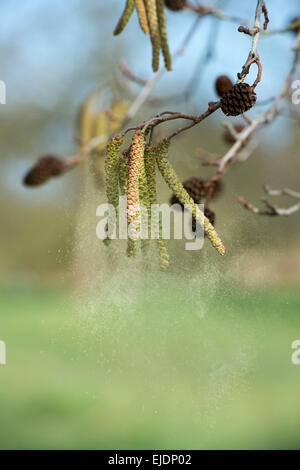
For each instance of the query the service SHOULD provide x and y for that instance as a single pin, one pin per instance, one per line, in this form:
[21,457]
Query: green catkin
[144,199]
[111,172]
[163,251]
[124,17]
[133,193]
[142,15]
[175,185]
[149,158]
[154,32]
[123,171]
[161,14]
[149,165]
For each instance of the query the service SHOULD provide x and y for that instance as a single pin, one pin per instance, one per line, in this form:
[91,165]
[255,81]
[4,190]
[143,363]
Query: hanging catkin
[123,171]
[161,15]
[111,173]
[154,31]
[145,201]
[124,17]
[142,15]
[175,185]
[149,158]
[133,196]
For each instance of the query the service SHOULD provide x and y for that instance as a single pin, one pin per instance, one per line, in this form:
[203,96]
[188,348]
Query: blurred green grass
[162,372]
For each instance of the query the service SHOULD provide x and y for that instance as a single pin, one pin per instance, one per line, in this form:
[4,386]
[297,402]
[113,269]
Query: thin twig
[281,192]
[205,10]
[271,210]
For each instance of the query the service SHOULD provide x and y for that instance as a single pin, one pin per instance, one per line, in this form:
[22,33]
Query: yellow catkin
[175,185]
[149,158]
[145,200]
[127,12]
[133,195]
[163,252]
[154,32]
[111,172]
[123,171]
[162,23]
[142,15]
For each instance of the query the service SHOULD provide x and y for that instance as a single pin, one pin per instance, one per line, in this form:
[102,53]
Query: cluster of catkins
[152,19]
[133,173]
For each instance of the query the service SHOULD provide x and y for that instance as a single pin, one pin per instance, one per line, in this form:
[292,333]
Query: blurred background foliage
[127,362]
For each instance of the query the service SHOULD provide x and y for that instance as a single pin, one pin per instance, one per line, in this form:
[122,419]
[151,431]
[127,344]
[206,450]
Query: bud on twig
[223,84]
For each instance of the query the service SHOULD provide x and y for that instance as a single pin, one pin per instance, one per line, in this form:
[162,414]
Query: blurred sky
[45,42]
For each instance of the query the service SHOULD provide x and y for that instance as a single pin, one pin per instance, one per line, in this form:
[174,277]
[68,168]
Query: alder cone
[228,137]
[198,189]
[238,99]
[223,84]
[175,5]
[46,167]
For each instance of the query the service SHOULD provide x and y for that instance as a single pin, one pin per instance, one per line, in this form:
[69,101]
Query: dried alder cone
[223,84]
[238,99]
[46,167]
[175,5]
